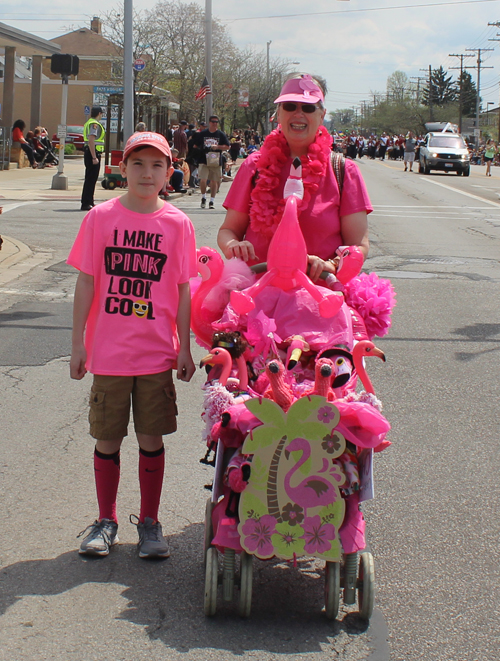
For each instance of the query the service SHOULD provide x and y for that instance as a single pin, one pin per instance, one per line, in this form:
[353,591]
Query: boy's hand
[185,366]
[77,362]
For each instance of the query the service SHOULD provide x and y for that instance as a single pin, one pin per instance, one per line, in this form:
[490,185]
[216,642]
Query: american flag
[204,90]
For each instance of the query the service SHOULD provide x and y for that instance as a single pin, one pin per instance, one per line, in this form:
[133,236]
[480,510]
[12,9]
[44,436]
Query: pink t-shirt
[320,220]
[137,261]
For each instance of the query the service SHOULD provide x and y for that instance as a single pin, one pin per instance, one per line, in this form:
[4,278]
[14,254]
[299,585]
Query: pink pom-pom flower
[374,298]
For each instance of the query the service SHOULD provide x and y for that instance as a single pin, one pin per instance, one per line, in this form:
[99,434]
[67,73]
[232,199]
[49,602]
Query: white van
[446,151]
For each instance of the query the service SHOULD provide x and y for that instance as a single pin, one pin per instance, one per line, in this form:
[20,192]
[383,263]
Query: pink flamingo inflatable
[210,266]
[314,490]
[287,261]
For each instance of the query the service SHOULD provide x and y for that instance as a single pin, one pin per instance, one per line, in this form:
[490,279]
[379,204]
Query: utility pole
[431,112]
[497,24]
[128,72]
[268,85]
[418,79]
[478,91]
[208,58]
[460,98]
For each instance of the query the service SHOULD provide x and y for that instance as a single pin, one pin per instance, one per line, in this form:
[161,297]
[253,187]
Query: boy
[131,320]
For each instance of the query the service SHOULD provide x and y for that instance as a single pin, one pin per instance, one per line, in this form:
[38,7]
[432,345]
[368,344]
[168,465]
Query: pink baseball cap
[147,139]
[301,90]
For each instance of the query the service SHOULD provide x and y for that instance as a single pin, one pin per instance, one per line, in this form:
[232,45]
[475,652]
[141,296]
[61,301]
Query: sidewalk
[31,185]
[35,185]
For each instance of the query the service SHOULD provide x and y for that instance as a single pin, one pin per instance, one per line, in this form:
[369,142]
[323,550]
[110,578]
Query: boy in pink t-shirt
[131,320]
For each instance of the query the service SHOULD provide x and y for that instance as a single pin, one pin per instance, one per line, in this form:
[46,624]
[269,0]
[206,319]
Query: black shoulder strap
[338,165]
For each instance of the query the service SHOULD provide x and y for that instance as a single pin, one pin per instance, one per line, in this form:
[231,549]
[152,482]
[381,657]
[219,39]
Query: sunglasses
[214,121]
[308,108]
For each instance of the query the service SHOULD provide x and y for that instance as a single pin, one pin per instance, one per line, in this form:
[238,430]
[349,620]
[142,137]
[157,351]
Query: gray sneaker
[102,535]
[151,543]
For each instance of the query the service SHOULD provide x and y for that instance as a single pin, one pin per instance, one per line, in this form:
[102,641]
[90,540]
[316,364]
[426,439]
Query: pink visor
[147,139]
[301,90]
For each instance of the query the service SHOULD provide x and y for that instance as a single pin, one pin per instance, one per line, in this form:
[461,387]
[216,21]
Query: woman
[17,136]
[255,201]
[489,154]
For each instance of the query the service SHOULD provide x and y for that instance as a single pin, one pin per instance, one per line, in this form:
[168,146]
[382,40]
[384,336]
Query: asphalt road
[433,526]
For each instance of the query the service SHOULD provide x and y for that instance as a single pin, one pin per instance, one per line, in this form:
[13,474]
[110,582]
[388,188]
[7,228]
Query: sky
[354,44]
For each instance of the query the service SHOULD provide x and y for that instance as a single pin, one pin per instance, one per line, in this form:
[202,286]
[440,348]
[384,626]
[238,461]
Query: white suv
[446,152]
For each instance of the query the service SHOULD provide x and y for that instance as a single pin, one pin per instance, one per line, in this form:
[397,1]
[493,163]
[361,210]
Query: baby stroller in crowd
[293,439]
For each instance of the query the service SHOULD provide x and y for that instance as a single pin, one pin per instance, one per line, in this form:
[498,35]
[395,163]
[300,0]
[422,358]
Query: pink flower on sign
[317,535]
[326,414]
[258,534]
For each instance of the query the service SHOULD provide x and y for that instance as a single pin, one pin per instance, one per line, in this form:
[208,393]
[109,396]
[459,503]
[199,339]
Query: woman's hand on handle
[242,249]
[318,265]
[231,237]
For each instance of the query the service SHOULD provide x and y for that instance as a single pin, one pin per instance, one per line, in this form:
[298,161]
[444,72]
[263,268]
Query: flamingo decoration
[363,349]
[210,266]
[279,391]
[287,259]
[221,356]
[313,490]
[323,374]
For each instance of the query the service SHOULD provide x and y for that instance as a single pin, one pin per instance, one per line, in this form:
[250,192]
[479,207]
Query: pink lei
[267,208]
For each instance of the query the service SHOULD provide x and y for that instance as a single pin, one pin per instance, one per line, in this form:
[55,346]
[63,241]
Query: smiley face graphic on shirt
[140,308]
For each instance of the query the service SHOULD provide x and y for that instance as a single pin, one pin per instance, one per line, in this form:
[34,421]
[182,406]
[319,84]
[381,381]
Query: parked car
[74,135]
[444,151]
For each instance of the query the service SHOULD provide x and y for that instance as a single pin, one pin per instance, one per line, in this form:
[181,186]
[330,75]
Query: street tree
[398,86]
[440,90]
[469,93]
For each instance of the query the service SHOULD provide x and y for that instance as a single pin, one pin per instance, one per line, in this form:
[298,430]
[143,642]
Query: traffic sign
[139,64]
[86,110]
[61,130]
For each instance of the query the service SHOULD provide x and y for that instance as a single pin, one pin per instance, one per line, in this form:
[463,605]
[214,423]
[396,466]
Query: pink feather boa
[374,298]
[267,207]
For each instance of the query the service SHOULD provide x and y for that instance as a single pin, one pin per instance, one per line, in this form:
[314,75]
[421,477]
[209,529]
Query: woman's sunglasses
[308,108]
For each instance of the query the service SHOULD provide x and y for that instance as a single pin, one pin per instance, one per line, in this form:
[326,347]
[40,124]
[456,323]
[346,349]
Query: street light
[267,88]
[488,104]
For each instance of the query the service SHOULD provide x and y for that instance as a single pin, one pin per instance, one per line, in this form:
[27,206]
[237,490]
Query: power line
[355,11]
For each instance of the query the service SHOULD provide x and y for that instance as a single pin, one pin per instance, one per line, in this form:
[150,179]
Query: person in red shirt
[17,136]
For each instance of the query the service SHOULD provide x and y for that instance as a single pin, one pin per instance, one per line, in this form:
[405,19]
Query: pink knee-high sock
[107,478]
[151,469]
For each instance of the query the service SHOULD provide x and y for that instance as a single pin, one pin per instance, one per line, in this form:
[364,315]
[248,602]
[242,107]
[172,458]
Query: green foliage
[441,91]
[69,149]
[469,93]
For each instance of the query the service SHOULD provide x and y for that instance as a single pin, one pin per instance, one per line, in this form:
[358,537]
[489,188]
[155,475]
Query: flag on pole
[204,90]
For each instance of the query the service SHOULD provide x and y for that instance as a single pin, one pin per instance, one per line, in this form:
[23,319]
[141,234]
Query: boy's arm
[185,364]
[84,295]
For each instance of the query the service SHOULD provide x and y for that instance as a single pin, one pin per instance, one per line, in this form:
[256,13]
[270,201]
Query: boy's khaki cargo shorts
[153,405]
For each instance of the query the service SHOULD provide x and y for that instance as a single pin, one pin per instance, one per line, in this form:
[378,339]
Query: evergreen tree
[469,93]
[441,91]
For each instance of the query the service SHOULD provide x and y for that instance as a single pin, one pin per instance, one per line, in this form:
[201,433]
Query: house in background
[100,74]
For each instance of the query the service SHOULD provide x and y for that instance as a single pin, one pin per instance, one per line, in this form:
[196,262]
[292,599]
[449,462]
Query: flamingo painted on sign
[313,490]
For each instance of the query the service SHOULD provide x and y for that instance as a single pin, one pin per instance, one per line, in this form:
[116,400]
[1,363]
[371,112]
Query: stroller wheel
[211,581]
[209,530]
[332,589]
[366,586]
[246,570]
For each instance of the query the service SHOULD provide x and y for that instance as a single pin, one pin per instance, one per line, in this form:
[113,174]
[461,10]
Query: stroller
[293,440]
